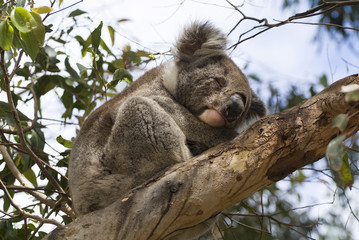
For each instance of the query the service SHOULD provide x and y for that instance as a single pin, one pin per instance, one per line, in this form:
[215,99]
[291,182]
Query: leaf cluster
[36,67]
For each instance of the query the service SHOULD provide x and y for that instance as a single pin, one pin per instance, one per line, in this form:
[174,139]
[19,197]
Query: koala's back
[90,178]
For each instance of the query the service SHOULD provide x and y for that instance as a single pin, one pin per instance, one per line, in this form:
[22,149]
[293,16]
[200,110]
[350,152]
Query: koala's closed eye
[221,82]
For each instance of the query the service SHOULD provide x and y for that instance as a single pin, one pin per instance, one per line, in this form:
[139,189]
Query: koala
[172,113]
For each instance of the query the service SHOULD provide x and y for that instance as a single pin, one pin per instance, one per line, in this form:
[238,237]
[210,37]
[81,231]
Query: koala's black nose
[233,108]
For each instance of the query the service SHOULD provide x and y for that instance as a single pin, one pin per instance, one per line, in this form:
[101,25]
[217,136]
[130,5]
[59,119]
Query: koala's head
[207,82]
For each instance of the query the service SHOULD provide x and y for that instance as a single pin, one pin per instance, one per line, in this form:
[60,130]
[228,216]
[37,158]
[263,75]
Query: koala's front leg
[144,140]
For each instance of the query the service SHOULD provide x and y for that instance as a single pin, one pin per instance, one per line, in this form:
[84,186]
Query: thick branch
[193,191]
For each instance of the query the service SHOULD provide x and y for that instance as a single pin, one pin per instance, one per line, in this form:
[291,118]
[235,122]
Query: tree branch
[265,25]
[193,191]
[24,214]
[7,80]
[25,183]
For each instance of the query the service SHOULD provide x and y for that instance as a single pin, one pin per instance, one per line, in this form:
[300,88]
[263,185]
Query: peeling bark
[191,192]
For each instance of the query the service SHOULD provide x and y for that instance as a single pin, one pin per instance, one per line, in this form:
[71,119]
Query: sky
[281,56]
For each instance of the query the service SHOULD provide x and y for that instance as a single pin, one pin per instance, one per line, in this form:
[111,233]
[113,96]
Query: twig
[320,9]
[20,133]
[63,9]
[250,227]
[350,207]
[27,189]
[24,182]
[24,214]
[34,120]
[328,24]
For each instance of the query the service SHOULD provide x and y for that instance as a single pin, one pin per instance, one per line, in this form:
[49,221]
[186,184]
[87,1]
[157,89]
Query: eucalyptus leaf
[42,9]
[352,96]
[112,34]
[64,142]
[96,36]
[30,175]
[345,173]
[32,46]
[76,13]
[70,70]
[120,75]
[6,35]
[39,28]
[336,152]
[21,18]
[341,122]
[6,114]
[324,80]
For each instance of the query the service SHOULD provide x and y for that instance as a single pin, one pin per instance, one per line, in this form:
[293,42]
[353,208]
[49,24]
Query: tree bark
[191,192]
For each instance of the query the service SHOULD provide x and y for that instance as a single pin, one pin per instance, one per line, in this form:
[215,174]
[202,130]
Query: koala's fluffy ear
[199,40]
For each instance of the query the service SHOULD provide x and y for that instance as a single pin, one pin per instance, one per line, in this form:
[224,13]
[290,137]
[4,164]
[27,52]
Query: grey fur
[161,120]
[200,40]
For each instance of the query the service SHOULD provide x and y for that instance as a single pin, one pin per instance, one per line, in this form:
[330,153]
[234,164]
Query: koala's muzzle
[233,108]
[227,114]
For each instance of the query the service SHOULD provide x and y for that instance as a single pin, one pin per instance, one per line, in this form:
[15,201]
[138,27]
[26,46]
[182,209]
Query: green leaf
[6,35]
[324,80]
[7,201]
[112,34]
[66,219]
[21,19]
[76,13]
[42,9]
[31,44]
[254,77]
[39,28]
[96,36]
[345,173]
[5,113]
[30,175]
[105,47]
[336,151]
[85,44]
[340,122]
[82,69]
[67,100]
[352,92]
[46,83]
[120,75]
[37,139]
[64,142]
[343,177]
[352,96]
[70,70]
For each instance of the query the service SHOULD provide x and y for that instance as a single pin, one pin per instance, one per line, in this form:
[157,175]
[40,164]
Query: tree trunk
[193,191]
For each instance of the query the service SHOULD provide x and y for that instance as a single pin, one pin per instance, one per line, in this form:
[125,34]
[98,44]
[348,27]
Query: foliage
[36,66]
